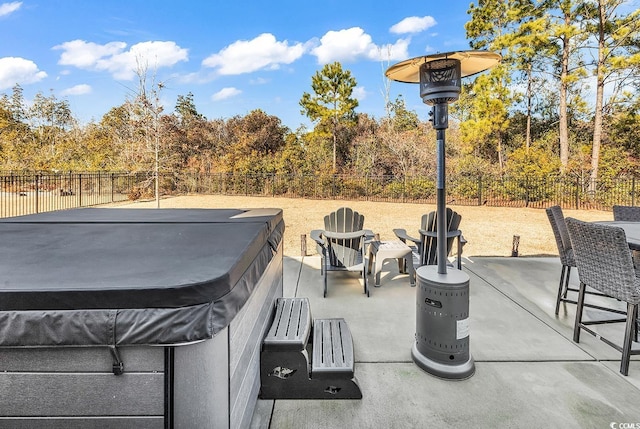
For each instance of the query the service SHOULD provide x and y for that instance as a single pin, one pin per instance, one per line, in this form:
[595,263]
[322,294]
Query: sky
[233,56]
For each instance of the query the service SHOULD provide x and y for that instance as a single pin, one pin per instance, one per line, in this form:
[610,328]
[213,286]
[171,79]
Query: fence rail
[566,191]
[27,193]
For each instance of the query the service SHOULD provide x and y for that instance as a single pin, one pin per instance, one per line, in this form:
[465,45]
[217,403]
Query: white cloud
[15,70]
[225,93]
[398,51]
[359,93]
[413,24]
[246,56]
[9,8]
[353,43]
[77,90]
[85,55]
[122,64]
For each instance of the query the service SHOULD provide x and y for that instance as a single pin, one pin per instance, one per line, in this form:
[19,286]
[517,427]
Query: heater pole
[441,123]
[441,210]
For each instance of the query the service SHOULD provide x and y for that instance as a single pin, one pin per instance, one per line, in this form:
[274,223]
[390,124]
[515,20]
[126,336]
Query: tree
[292,158]
[529,168]
[411,150]
[617,38]
[624,126]
[332,101]
[485,132]
[526,45]
[50,119]
[253,141]
[192,134]
[367,152]
[186,109]
[490,21]
[564,27]
[144,114]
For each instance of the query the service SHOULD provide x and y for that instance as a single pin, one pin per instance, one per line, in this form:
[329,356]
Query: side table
[382,250]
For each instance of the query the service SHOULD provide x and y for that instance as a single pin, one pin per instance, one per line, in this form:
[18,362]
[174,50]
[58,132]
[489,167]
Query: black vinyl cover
[155,276]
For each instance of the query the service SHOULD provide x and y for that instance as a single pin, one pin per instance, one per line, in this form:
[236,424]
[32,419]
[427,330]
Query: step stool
[294,365]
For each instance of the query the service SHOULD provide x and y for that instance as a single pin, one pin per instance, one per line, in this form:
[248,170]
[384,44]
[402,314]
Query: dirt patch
[489,231]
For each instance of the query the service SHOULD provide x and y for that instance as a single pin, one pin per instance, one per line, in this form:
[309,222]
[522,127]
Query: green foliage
[529,170]
[412,188]
[624,129]
[616,162]
[403,119]
[331,100]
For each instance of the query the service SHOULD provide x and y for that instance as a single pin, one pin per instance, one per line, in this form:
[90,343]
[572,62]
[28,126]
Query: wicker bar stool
[629,214]
[567,259]
[626,213]
[604,262]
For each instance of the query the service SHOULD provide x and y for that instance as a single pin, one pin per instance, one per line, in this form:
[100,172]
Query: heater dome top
[471,62]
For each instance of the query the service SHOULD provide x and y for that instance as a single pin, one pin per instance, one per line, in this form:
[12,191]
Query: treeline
[564,100]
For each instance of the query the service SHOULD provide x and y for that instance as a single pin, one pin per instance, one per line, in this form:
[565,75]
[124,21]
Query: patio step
[333,349]
[291,326]
[294,365]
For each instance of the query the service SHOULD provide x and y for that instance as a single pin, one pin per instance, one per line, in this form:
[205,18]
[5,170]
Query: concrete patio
[529,372]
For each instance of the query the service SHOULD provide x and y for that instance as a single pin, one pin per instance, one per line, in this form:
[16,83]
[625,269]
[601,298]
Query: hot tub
[135,317]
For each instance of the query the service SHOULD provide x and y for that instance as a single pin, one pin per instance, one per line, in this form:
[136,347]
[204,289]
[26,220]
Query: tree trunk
[529,97]
[334,148]
[563,116]
[499,149]
[597,119]
[335,125]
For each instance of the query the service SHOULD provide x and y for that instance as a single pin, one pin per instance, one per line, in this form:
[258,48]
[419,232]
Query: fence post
[333,186]
[112,184]
[480,190]
[79,189]
[37,197]
[633,191]
[404,188]
[366,187]
[577,193]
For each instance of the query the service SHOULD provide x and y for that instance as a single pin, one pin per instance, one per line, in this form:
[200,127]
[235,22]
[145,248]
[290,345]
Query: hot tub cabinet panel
[56,363]
[216,382]
[60,387]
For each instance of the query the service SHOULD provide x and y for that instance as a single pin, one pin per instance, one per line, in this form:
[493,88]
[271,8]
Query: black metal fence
[27,193]
[567,191]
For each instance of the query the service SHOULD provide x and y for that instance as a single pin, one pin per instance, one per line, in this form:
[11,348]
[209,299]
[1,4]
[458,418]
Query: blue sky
[234,56]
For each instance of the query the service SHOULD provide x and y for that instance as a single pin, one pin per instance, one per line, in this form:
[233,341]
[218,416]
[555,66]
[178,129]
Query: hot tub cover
[130,276]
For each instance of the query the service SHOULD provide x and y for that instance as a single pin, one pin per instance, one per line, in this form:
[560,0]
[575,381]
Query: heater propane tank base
[442,323]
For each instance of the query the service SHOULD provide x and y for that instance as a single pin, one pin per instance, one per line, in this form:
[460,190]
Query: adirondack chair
[342,244]
[425,247]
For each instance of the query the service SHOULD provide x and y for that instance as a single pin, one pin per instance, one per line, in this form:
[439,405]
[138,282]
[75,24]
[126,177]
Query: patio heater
[441,347]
